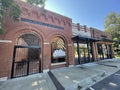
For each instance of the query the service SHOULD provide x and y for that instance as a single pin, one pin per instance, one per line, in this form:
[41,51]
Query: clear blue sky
[86,12]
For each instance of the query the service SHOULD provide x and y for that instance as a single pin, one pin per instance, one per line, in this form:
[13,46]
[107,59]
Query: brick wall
[99,34]
[46,24]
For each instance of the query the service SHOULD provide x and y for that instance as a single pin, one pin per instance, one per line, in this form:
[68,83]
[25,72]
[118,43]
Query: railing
[80,30]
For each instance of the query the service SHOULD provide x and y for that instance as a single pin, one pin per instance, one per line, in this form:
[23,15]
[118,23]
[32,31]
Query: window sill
[53,64]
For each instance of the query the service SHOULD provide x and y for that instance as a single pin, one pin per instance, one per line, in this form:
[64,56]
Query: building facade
[43,40]
[91,44]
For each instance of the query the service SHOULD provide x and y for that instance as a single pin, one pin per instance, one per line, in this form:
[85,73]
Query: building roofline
[40,8]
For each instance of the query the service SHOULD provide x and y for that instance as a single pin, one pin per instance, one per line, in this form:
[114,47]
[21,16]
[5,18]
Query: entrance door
[26,56]
[83,53]
[25,61]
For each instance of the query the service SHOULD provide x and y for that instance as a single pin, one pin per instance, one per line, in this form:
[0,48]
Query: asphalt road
[111,82]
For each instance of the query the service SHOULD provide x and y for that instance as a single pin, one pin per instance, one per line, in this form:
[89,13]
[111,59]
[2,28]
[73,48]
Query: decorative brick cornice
[41,14]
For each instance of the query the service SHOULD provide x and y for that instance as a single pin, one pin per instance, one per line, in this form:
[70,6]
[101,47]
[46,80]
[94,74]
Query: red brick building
[41,41]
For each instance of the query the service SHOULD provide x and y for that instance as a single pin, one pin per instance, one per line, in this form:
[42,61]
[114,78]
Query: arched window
[58,50]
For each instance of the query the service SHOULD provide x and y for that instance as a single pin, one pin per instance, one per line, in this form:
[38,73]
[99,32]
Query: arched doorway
[26,56]
[58,50]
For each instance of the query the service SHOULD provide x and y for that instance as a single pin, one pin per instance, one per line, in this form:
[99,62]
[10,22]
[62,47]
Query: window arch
[28,40]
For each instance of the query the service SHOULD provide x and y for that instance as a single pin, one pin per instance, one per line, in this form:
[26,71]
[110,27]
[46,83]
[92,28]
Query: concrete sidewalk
[71,78]
[40,81]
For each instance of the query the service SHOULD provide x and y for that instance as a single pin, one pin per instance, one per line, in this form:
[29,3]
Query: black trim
[41,23]
[26,46]
[78,51]
[107,39]
[87,39]
[88,44]
[12,70]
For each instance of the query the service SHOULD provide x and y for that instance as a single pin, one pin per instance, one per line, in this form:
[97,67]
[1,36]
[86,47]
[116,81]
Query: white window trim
[5,41]
[53,64]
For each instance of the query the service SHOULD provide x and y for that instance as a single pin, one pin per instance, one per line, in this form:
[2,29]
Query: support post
[78,51]
[102,51]
[88,44]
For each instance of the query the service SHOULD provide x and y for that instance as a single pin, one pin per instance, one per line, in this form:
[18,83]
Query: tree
[14,10]
[11,7]
[112,26]
[37,2]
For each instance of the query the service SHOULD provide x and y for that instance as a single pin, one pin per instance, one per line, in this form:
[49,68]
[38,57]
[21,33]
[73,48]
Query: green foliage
[6,3]
[15,12]
[12,7]
[112,26]
[37,2]
[1,31]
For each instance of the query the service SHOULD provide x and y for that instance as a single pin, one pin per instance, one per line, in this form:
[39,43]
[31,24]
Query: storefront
[104,46]
[83,44]
[43,40]
[104,51]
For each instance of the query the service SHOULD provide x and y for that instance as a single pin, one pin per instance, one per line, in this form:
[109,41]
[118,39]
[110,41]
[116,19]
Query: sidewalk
[71,78]
[40,81]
